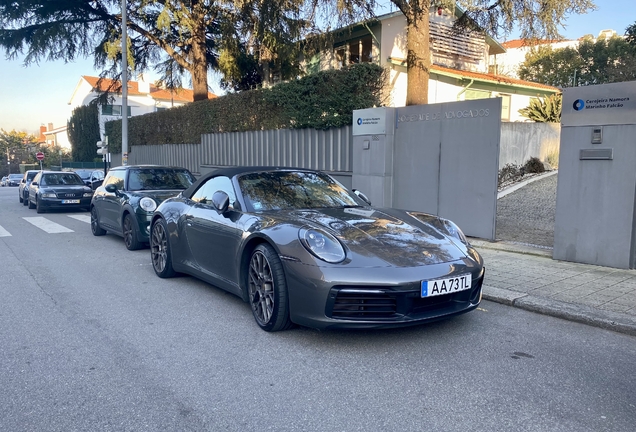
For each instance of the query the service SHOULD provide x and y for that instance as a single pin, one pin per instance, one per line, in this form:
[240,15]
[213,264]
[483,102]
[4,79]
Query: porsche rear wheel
[130,234]
[268,289]
[160,250]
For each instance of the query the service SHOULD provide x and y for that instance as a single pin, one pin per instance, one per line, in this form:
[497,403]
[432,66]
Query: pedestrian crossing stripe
[46,225]
[4,232]
[83,218]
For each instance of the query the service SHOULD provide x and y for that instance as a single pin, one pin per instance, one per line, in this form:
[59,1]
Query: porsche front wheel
[160,250]
[268,289]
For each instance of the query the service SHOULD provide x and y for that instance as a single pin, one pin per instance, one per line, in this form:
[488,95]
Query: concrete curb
[580,313]
[519,185]
[522,248]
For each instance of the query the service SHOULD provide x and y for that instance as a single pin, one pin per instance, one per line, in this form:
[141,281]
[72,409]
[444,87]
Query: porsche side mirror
[111,188]
[362,196]
[220,201]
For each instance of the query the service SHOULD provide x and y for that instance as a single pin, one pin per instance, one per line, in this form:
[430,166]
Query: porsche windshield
[289,190]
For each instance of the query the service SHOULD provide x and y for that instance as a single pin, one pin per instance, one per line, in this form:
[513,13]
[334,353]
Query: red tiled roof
[494,78]
[519,43]
[182,95]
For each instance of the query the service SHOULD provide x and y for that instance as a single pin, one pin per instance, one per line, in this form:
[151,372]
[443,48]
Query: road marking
[83,218]
[4,232]
[46,225]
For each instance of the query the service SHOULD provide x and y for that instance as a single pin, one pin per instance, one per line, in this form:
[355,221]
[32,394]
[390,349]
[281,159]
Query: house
[54,137]
[461,68]
[143,97]
[508,63]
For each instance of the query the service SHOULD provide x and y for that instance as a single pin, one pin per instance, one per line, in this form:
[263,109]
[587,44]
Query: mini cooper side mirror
[221,201]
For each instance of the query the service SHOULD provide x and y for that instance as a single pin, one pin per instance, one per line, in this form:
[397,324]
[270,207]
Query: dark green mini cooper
[124,203]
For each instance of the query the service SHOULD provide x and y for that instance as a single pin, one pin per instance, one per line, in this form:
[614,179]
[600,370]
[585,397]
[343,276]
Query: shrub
[534,166]
[321,101]
[509,173]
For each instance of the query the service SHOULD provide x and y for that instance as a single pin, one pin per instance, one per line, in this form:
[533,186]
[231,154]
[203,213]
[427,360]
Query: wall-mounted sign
[371,121]
[605,104]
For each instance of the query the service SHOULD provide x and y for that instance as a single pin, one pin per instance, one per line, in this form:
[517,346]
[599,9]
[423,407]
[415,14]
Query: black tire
[268,290]
[30,204]
[20,198]
[25,200]
[129,230]
[160,254]
[38,207]
[96,229]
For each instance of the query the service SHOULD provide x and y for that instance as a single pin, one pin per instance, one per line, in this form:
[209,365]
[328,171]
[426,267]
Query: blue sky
[39,94]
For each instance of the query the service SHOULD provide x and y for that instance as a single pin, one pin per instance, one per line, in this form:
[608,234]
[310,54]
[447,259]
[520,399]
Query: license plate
[70,201]
[449,285]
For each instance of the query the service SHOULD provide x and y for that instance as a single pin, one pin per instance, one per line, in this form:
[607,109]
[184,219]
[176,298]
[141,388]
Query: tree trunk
[418,58]
[199,64]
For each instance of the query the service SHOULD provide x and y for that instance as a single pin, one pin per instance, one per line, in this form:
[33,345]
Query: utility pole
[124,86]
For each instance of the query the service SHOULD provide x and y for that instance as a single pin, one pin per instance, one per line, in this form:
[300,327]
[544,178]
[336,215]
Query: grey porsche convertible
[300,248]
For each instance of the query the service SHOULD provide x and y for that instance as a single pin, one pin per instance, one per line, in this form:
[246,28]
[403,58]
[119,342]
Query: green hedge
[321,101]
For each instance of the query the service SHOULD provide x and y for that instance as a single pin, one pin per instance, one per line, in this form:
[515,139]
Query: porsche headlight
[147,204]
[323,245]
[453,230]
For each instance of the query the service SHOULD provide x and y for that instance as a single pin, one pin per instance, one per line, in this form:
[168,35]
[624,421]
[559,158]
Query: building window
[341,57]
[505,107]
[113,110]
[472,94]
[355,51]
[360,51]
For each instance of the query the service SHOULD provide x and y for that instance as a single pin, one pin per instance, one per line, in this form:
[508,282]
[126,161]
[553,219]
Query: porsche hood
[376,235]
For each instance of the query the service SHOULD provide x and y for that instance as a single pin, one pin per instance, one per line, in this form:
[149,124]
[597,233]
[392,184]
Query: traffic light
[102,147]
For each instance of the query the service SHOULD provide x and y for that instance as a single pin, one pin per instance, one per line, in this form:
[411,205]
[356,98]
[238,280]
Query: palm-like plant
[544,110]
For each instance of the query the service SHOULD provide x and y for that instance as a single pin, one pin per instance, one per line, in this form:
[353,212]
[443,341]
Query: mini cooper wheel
[160,250]
[268,289]
[130,234]
[96,229]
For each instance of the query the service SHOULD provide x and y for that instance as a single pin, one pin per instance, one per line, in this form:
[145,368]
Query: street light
[124,86]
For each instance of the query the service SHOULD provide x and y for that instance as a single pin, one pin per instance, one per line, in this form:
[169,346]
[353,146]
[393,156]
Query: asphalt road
[92,340]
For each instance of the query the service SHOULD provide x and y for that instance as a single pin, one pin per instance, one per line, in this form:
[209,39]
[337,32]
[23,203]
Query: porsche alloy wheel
[130,234]
[160,251]
[268,290]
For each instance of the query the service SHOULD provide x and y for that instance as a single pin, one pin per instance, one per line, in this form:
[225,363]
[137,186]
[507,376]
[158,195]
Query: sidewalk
[528,278]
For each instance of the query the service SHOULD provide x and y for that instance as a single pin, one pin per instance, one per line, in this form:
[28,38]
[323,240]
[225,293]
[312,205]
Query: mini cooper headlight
[147,204]
[453,230]
[322,245]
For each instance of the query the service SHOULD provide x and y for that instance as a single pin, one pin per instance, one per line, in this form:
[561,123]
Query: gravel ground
[527,215]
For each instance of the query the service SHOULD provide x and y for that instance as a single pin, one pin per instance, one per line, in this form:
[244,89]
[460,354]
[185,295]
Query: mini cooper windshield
[291,190]
[159,179]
